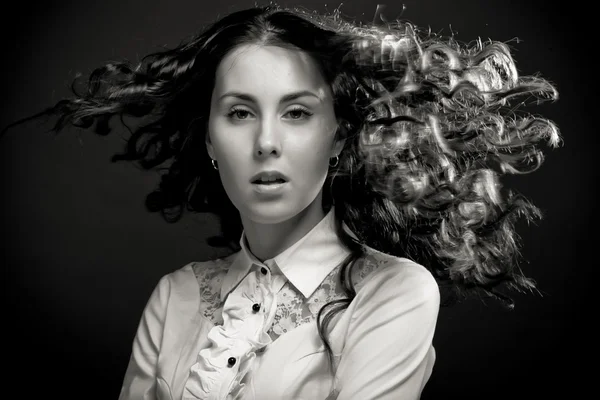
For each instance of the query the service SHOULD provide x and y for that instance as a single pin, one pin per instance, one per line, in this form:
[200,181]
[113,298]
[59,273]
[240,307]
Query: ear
[209,147]
[338,144]
[337,147]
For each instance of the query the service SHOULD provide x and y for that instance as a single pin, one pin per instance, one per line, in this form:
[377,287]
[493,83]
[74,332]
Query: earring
[214,164]
[336,162]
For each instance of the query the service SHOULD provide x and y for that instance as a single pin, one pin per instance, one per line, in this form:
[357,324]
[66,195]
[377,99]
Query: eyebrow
[284,99]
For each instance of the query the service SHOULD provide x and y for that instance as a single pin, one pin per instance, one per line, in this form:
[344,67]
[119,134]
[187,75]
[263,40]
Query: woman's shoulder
[208,268]
[196,281]
[205,272]
[406,278]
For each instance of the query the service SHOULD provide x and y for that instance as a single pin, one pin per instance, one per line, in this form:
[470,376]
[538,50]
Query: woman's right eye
[238,113]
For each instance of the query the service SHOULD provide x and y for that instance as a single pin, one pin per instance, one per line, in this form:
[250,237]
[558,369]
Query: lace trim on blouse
[251,317]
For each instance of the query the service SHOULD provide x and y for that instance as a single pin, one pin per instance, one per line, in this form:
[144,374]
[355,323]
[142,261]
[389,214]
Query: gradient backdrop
[81,255]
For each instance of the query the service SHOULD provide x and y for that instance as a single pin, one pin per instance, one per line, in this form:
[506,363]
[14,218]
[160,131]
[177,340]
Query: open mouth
[269,181]
[269,178]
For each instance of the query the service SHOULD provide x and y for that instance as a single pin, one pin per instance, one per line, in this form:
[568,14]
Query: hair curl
[430,126]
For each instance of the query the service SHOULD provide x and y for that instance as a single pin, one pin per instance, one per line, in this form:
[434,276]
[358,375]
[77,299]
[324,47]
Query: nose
[268,141]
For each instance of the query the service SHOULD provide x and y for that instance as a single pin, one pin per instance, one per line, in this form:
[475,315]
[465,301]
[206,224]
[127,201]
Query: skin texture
[261,130]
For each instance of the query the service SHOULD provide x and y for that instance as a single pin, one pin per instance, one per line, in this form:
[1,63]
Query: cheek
[231,158]
[228,147]
[227,153]
[312,162]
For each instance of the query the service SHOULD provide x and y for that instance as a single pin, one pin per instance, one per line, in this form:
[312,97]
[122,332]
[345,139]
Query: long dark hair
[430,126]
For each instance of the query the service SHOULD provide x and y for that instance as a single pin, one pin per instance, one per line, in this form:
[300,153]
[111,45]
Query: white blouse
[237,328]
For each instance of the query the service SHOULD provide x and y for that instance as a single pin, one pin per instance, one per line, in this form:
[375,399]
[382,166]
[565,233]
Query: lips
[269,177]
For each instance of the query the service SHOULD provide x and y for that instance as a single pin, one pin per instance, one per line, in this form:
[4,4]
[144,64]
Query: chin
[272,214]
[277,212]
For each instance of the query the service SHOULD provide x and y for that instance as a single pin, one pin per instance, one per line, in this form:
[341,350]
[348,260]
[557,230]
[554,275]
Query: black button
[256,307]
[231,361]
[263,270]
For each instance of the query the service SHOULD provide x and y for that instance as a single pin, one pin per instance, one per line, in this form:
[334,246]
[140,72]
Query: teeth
[270,179]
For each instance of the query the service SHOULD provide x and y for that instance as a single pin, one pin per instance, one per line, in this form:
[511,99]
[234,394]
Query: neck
[266,241]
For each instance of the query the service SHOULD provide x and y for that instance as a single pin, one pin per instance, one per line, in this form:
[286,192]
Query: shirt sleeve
[139,382]
[388,349]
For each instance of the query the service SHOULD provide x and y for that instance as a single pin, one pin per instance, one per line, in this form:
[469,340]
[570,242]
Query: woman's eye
[299,113]
[238,113]
[294,114]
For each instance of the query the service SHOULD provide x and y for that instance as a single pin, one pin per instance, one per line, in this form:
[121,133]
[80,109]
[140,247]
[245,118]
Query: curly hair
[430,126]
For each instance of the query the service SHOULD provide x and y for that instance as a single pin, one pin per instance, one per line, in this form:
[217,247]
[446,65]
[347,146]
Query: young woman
[356,166]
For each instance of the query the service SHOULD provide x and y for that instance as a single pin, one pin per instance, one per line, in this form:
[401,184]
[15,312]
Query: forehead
[269,70]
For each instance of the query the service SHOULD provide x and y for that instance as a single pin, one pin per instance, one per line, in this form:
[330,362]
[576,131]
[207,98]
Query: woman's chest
[294,366]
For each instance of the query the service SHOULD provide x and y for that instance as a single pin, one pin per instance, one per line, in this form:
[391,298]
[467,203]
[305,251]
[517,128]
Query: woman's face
[271,111]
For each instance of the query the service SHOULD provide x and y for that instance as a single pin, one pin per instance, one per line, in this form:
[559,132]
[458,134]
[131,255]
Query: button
[256,307]
[263,270]
[231,361]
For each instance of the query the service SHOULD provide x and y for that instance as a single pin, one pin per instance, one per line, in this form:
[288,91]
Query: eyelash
[306,113]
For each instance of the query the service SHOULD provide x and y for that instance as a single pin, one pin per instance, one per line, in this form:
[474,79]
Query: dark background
[81,255]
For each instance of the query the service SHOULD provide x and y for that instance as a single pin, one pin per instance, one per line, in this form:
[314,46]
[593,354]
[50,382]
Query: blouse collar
[305,264]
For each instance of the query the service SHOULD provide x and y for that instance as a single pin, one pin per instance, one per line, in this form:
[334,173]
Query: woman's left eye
[299,113]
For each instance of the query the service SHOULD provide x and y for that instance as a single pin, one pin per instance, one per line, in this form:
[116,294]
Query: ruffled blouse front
[248,313]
